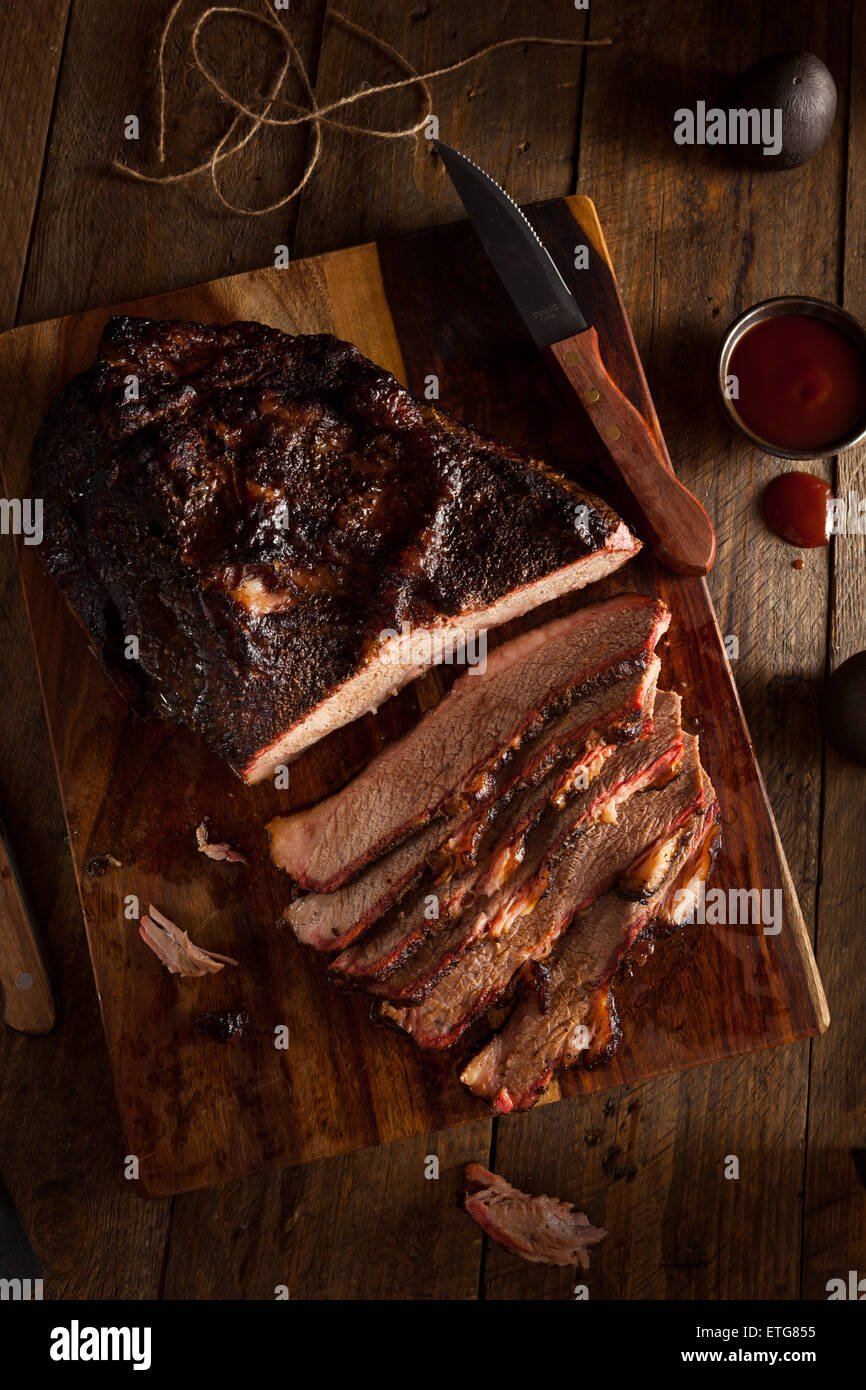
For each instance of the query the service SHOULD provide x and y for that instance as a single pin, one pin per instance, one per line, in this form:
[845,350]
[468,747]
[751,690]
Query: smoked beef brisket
[555,795]
[588,868]
[449,755]
[553,1029]
[448,846]
[289,535]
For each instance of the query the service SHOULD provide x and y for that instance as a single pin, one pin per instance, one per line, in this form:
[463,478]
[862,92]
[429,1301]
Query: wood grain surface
[195,1113]
[695,239]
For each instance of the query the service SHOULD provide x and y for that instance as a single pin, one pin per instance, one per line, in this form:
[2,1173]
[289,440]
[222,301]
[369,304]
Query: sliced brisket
[588,869]
[404,931]
[541,1229]
[545,1034]
[267,509]
[500,898]
[446,848]
[448,756]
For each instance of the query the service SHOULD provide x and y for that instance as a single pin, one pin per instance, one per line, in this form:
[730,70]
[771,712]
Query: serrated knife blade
[523,264]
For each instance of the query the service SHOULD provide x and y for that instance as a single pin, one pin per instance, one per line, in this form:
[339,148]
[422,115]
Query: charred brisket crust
[293,462]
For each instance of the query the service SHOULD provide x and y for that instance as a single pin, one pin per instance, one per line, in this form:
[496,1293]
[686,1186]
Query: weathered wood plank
[31,46]
[695,240]
[834,1239]
[647,1162]
[69,1190]
[515,112]
[102,238]
[371,1225]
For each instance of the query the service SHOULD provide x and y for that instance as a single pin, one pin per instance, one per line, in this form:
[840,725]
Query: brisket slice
[646,763]
[268,508]
[452,751]
[444,848]
[587,871]
[330,920]
[403,931]
[545,1035]
[541,1229]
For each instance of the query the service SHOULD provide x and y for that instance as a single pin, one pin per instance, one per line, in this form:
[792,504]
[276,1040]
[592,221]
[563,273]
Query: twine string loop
[235,138]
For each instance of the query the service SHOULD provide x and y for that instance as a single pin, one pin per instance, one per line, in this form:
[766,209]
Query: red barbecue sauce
[801,382]
[795,507]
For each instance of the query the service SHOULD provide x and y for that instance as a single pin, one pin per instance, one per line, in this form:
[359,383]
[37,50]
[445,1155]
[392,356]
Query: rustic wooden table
[694,239]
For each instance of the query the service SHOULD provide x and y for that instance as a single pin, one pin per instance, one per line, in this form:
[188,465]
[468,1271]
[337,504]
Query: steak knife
[674,523]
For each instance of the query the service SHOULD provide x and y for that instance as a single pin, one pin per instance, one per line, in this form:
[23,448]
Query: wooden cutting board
[196,1111]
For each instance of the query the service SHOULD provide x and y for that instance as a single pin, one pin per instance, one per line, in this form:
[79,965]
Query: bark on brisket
[266,507]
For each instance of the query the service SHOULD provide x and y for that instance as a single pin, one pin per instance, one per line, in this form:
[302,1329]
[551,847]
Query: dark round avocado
[802,88]
[844,708]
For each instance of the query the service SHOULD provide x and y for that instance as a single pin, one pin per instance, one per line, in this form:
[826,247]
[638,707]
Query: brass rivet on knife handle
[672,520]
[28,1004]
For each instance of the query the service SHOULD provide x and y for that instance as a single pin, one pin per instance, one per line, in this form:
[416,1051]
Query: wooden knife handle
[675,524]
[28,1004]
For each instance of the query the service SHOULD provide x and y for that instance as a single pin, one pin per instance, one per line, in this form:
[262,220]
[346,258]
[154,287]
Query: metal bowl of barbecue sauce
[791,375]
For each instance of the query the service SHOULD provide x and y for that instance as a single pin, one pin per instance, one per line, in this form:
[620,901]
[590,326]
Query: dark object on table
[291,535]
[844,708]
[802,88]
[99,864]
[796,508]
[226,1026]
[673,521]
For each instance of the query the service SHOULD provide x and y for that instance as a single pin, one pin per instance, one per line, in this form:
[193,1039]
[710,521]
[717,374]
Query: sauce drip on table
[795,507]
[801,382]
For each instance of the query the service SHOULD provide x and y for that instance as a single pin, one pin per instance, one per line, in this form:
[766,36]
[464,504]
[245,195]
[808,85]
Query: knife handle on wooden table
[28,1003]
[677,528]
